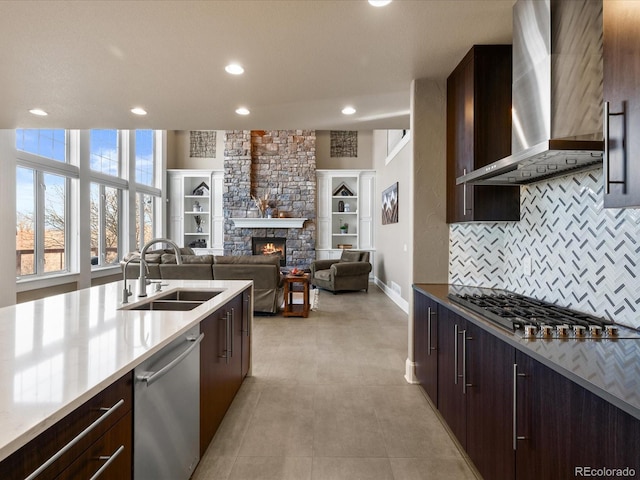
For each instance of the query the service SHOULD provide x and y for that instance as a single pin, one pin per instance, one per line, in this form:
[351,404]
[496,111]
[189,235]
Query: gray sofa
[348,273]
[263,270]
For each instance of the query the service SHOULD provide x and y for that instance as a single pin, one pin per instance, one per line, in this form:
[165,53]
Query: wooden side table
[299,309]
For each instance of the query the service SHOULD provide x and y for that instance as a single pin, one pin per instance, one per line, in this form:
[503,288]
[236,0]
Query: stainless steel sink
[177,301]
[170,305]
[189,295]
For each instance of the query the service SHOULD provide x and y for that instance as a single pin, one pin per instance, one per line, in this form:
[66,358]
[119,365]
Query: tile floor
[328,400]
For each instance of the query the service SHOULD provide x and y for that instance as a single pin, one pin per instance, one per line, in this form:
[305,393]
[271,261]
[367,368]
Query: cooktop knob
[547,330]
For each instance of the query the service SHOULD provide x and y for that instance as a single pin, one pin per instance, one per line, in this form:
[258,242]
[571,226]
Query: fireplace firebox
[270,246]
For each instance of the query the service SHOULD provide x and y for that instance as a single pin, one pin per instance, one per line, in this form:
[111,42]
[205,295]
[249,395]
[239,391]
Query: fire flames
[270,249]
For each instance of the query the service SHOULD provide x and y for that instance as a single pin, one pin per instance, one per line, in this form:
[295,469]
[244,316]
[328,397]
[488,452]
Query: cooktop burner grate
[520,313]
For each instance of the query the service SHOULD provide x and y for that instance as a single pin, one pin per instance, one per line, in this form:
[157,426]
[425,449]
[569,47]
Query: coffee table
[296,309]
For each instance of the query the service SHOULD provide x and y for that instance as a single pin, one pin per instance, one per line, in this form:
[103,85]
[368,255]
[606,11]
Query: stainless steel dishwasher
[167,411]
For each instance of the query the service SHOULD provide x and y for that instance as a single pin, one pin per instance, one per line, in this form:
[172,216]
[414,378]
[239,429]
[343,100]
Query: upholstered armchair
[350,272]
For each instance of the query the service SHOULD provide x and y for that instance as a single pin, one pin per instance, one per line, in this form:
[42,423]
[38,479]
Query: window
[53,214]
[105,224]
[41,230]
[51,144]
[26,222]
[104,156]
[145,157]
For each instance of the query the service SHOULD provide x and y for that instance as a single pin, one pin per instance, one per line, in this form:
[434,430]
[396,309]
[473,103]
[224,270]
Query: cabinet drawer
[90,421]
[110,455]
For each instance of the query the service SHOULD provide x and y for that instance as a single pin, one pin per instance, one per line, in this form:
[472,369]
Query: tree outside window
[105,224]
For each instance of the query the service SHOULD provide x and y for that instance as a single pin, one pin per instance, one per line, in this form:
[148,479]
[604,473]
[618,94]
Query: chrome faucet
[142,279]
[126,292]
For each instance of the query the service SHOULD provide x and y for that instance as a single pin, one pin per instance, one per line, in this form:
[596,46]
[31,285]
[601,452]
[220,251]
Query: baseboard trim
[395,298]
[410,372]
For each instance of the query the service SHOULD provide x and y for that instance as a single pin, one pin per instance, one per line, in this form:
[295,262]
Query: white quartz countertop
[58,352]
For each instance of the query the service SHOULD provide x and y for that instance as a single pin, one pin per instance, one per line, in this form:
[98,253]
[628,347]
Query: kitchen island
[61,351]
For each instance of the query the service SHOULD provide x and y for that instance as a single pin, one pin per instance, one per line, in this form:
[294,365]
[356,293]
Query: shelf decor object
[201,190]
[343,191]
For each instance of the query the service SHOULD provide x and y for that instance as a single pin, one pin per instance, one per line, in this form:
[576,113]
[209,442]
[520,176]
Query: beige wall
[178,152]
[393,241]
[364,160]
[430,230]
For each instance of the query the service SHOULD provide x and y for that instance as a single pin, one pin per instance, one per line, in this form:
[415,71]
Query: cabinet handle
[232,314]
[606,164]
[109,460]
[75,440]
[245,314]
[226,338]
[429,314]
[464,195]
[152,377]
[515,406]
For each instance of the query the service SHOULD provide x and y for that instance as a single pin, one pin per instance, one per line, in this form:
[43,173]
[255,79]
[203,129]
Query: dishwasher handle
[151,377]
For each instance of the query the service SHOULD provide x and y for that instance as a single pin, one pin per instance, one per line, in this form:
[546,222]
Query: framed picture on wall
[390,204]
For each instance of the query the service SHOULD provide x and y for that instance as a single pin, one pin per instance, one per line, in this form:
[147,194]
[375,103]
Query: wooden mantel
[268,222]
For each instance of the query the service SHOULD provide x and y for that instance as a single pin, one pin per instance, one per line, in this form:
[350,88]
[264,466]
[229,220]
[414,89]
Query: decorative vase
[341,206]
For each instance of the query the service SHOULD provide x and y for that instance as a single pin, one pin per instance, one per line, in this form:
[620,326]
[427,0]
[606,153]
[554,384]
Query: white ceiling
[88,63]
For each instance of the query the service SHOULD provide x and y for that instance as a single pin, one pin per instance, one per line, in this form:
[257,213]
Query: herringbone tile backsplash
[583,256]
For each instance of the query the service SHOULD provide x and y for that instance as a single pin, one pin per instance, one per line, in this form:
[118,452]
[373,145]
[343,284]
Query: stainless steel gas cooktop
[532,318]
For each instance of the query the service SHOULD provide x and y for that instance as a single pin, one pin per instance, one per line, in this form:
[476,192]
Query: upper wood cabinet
[621,57]
[479,133]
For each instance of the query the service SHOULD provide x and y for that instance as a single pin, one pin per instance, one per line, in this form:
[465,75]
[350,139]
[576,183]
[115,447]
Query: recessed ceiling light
[379,3]
[348,110]
[138,111]
[39,112]
[242,111]
[234,69]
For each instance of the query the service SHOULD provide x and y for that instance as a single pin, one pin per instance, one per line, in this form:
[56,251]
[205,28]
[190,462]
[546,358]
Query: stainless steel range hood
[556,93]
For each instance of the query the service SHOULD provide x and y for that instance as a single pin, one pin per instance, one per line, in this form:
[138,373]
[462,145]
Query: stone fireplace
[270,246]
[278,164]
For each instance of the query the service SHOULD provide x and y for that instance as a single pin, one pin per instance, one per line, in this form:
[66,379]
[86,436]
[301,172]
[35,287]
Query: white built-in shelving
[344,197]
[195,197]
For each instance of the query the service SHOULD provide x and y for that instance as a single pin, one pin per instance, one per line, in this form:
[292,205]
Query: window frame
[102,238]
[79,178]
[41,166]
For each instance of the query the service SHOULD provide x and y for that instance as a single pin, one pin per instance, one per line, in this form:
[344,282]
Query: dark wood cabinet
[562,426]
[621,62]
[484,383]
[479,133]
[425,343]
[110,455]
[451,390]
[475,393]
[224,347]
[101,426]
[489,403]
